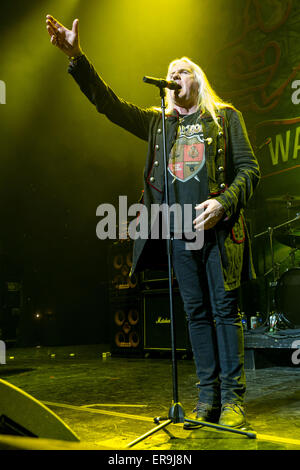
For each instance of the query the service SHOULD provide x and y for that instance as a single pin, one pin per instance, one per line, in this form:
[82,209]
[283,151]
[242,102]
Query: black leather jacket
[232,169]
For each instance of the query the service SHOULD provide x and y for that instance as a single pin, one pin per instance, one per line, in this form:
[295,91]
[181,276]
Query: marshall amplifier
[152,280]
[157,324]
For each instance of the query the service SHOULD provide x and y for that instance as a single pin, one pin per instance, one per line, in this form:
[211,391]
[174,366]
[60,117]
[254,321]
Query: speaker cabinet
[120,263]
[157,330]
[126,325]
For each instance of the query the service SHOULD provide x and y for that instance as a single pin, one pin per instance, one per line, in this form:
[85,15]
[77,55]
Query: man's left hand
[212,212]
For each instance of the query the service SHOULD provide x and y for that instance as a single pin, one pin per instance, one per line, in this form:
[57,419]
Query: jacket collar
[175,116]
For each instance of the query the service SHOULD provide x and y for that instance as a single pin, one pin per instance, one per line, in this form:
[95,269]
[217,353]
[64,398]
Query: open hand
[67,40]
[211,212]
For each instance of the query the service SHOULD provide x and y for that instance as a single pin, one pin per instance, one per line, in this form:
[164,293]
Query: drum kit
[284,287]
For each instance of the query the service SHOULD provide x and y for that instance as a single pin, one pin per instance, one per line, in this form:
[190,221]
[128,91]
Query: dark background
[60,160]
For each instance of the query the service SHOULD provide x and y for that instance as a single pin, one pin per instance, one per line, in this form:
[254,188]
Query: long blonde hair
[208,100]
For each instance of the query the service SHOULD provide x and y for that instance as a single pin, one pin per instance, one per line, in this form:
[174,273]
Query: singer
[211,166]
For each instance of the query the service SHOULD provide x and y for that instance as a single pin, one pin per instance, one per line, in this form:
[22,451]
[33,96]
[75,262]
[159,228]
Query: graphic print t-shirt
[187,175]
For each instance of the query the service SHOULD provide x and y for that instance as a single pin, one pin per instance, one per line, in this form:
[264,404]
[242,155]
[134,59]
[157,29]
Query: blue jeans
[215,327]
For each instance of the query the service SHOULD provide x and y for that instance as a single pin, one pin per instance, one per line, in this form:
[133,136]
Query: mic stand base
[179,418]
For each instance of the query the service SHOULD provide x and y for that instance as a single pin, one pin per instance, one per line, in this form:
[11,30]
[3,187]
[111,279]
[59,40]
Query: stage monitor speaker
[126,325]
[23,415]
[157,335]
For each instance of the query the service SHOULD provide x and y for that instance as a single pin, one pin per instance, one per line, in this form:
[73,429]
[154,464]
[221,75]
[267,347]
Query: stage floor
[109,402]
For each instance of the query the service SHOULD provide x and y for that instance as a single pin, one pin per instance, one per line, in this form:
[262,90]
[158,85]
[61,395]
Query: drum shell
[287,295]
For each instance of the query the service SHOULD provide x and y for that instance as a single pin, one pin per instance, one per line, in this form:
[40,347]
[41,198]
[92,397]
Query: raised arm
[130,117]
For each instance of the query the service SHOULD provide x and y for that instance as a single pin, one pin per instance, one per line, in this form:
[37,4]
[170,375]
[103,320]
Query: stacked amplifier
[140,308]
[126,325]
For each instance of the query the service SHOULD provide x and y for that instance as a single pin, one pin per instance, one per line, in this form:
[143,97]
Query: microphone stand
[278,317]
[176,412]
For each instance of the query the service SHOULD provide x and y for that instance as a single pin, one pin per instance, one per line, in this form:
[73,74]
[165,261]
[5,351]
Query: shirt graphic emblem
[187,156]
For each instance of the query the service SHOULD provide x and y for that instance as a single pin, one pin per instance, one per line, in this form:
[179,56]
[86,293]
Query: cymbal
[286,198]
[291,239]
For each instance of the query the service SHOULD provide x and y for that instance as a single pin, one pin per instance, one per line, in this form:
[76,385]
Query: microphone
[161,83]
